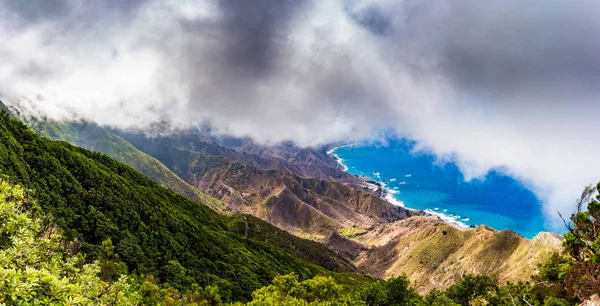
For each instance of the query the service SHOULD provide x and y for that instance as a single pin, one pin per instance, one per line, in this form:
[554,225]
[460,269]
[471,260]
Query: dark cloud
[504,84]
[70,16]
[37,10]
[253,31]
[373,18]
[539,47]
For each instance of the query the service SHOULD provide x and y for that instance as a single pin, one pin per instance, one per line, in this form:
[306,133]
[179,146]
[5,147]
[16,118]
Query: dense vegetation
[79,228]
[92,198]
[37,266]
[95,138]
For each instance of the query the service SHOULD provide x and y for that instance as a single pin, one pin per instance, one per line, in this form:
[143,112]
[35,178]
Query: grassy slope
[436,254]
[93,197]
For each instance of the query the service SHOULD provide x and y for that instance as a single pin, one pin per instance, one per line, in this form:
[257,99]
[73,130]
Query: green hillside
[95,138]
[92,197]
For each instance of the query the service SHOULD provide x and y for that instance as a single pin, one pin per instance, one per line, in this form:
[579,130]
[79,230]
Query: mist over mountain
[486,85]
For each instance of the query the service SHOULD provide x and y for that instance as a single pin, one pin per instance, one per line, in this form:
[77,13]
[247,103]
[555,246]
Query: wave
[390,192]
[338,158]
[452,220]
[332,150]
[390,198]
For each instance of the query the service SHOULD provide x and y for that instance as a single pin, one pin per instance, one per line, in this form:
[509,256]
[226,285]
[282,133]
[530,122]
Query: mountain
[287,151]
[92,197]
[308,207]
[95,138]
[436,255]
[305,206]
[303,162]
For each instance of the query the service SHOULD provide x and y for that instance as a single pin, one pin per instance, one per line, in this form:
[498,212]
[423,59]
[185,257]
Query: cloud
[498,85]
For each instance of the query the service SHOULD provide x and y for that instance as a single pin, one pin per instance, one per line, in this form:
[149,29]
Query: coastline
[337,158]
[378,187]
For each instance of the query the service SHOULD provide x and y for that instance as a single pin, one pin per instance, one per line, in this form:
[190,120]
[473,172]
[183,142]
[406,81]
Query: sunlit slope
[436,254]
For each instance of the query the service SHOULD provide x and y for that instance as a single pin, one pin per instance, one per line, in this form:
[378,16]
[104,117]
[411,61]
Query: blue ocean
[417,180]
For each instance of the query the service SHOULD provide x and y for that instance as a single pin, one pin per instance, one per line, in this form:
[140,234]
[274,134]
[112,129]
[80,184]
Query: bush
[395,291]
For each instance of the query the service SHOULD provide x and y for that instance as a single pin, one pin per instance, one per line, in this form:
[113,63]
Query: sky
[505,85]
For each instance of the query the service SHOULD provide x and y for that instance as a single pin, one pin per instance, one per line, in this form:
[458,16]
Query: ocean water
[417,181]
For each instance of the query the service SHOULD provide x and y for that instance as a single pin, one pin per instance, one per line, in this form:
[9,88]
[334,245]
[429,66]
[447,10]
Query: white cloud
[489,85]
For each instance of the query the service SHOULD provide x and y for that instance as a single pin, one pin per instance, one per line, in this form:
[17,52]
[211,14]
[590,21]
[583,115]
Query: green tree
[111,267]
[550,281]
[288,290]
[395,291]
[437,298]
[207,296]
[582,243]
[175,274]
[38,268]
[553,301]
[474,288]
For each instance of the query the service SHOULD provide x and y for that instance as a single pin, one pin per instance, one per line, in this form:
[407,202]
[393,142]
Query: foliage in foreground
[93,198]
[38,267]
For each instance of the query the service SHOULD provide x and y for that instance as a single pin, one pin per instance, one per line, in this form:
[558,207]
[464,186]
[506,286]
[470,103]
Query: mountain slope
[303,206]
[301,162]
[300,205]
[436,254]
[95,138]
[93,197]
[286,151]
